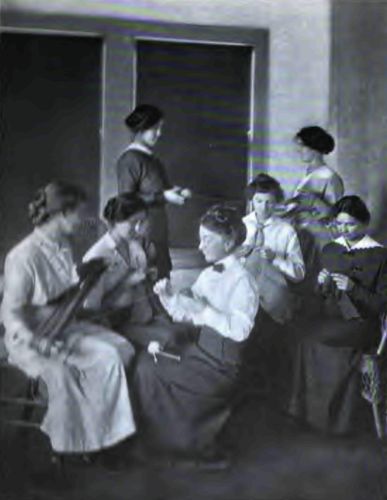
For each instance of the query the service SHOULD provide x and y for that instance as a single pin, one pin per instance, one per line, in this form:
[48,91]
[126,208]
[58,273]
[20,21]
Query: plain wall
[299,58]
[359,101]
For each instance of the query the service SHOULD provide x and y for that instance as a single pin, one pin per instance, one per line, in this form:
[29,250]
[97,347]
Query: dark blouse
[141,173]
[368,269]
[144,174]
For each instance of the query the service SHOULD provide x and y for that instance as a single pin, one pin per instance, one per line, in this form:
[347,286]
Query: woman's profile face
[349,227]
[136,225]
[306,154]
[150,136]
[71,220]
[214,246]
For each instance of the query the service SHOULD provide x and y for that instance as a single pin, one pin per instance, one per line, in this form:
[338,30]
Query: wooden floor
[274,459]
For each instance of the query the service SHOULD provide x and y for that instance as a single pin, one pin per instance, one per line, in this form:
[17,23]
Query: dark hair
[225,220]
[264,183]
[122,207]
[316,138]
[54,198]
[143,117]
[353,206]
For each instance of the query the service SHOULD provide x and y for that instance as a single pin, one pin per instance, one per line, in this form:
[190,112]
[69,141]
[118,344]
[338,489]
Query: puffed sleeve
[292,264]
[184,305]
[373,301]
[238,321]
[18,291]
[334,189]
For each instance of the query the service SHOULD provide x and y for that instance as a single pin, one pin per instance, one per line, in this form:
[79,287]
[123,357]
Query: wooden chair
[25,409]
[373,371]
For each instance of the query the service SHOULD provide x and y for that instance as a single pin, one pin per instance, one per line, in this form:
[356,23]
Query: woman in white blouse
[275,259]
[88,399]
[184,405]
[273,252]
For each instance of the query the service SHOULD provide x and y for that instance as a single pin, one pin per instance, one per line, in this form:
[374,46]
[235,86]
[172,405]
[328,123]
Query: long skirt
[184,405]
[170,335]
[88,398]
[326,387]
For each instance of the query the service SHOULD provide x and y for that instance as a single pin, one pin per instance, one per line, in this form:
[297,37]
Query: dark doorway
[50,120]
[204,90]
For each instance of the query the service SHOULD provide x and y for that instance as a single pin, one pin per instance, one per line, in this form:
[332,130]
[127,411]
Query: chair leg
[377,410]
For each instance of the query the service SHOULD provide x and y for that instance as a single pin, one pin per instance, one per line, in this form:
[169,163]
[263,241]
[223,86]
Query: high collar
[310,169]
[111,243]
[252,218]
[228,261]
[52,244]
[135,146]
[365,243]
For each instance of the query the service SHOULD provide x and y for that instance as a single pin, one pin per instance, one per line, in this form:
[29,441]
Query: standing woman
[88,400]
[309,209]
[320,180]
[140,172]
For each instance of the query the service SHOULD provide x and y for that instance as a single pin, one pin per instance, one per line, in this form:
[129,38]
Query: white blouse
[36,271]
[226,300]
[322,181]
[280,237]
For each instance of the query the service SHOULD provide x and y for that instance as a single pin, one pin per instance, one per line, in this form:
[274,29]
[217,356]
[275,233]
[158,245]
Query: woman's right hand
[174,196]
[322,277]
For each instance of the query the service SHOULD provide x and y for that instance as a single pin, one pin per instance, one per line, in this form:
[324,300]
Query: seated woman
[353,290]
[274,253]
[124,293]
[183,406]
[275,259]
[88,400]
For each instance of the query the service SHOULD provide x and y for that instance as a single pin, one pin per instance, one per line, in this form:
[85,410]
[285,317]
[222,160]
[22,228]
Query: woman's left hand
[163,287]
[342,282]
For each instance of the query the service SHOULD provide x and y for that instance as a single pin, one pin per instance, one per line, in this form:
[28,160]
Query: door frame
[118,78]
[252,76]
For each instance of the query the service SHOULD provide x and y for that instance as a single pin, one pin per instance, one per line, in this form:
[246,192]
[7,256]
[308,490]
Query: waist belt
[223,349]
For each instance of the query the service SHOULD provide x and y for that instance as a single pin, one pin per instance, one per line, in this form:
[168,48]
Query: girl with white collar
[353,291]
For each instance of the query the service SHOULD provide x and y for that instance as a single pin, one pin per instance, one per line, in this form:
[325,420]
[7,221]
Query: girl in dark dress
[353,291]
[140,172]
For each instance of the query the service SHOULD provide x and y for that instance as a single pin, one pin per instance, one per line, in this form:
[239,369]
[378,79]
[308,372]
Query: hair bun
[55,197]
[37,209]
[317,138]
[143,117]
[226,220]
[120,208]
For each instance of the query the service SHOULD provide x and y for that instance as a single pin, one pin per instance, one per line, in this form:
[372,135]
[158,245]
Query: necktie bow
[218,268]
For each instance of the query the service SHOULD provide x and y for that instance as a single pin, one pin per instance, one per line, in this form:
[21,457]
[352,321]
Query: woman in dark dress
[140,172]
[183,406]
[353,291]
